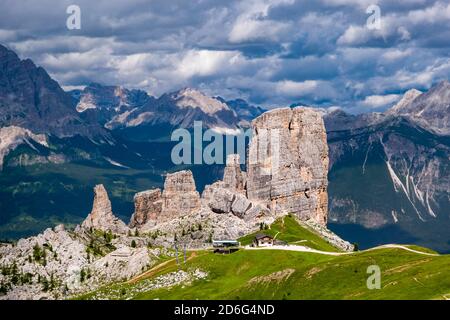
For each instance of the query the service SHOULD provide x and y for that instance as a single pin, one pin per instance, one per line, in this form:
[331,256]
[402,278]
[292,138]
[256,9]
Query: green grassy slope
[288,230]
[282,274]
[275,274]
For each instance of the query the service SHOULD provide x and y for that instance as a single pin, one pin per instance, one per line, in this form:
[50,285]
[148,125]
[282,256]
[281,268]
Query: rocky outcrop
[147,207]
[101,216]
[180,196]
[329,236]
[288,163]
[233,177]
[58,263]
[53,254]
[122,264]
[197,229]
[229,195]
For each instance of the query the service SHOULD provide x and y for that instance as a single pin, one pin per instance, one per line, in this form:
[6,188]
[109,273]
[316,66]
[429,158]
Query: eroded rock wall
[287,163]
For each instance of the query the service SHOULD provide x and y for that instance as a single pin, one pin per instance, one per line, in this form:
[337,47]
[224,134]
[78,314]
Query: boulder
[257,211]
[240,205]
[221,200]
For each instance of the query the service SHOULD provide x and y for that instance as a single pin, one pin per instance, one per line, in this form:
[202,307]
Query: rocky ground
[60,263]
[163,281]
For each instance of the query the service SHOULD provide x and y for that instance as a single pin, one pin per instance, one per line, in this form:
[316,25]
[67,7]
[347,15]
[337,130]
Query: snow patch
[399,185]
[394,216]
[115,163]
[11,137]
[85,105]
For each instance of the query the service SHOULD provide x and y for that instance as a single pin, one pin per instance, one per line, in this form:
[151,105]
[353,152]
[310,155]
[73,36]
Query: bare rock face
[221,200]
[180,196]
[256,212]
[101,216]
[122,264]
[233,177]
[288,163]
[147,207]
[208,192]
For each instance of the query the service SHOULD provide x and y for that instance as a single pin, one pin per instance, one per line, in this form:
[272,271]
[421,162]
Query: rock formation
[101,216]
[287,173]
[122,263]
[233,177]
[147,207]
[180,196]
[229,195]
[287,163]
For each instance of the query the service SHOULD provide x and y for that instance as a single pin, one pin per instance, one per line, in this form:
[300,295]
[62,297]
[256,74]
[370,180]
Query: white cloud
[396,54]
[253,29]
[268,51]
[252,24]
[77,60]
[355,35]
[295,89]
[436,13]
[207,62]
[377,101]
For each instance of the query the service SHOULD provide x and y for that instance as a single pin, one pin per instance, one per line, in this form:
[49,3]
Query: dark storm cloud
[272,52]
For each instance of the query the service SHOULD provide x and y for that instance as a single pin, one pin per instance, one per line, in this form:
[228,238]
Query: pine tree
[82,275]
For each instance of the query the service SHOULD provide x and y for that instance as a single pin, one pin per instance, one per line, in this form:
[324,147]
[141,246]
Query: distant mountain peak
[104,102]
[430,109]
[189,97]
[407,98]
[31,99]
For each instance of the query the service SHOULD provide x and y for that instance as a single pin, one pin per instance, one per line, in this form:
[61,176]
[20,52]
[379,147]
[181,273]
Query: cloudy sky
[270,52]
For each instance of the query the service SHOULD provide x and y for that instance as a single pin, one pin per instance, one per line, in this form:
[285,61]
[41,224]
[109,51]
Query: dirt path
[150,272]
[158,267]
[307,249]
[397,246]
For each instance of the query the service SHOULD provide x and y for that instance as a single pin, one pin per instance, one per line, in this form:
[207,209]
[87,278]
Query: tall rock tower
[287,163]
[101,216]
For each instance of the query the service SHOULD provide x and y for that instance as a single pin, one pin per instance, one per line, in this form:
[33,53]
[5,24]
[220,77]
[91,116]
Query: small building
[263,240]
[225,246]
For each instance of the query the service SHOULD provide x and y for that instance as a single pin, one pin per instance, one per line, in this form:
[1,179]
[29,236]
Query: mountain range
[389,172]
